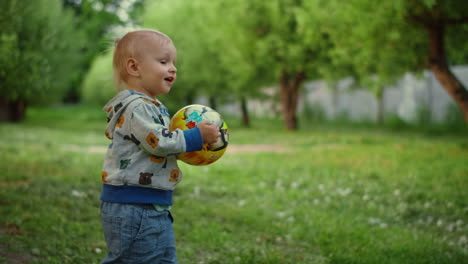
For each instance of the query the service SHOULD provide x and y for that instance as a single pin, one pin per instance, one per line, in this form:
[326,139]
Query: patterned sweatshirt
[140,164]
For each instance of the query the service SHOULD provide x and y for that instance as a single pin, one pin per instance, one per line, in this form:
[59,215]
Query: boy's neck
[139,90]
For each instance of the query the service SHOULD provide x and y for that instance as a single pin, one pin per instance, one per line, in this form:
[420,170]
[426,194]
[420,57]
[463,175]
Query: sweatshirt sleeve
[156,138]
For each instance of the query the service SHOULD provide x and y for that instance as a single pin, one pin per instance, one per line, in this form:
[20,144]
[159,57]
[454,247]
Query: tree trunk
[334,92]
[12,111]
[189,99]
[289,94]
[72,97]
[245,112]
[212,100]
[429,99]
[438,65]
[380,111]
[380,106]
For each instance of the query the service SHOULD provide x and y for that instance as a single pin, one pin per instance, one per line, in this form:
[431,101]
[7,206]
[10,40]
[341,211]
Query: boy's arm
[156,138]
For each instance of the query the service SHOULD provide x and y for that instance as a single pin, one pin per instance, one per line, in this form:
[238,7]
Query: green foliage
[228,49]
[374,39]
[326,195]
[199,46]
[454,118]
[47,45]
[94,19]
[98,85]
[38,50]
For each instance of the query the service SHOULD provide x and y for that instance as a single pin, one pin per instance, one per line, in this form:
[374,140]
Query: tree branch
[420,20]
[456,21]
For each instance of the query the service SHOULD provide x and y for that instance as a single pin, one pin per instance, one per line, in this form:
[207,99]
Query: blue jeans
[137,233]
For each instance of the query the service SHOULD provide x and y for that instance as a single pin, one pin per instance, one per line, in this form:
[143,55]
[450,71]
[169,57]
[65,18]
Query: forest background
[230,51]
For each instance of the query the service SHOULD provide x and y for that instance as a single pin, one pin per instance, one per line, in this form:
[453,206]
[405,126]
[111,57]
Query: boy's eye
[163,61]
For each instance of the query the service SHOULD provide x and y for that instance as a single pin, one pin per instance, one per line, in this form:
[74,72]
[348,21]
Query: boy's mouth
[169,79]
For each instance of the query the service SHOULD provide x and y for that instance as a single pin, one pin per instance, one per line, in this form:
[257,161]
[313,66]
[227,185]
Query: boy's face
[157,67]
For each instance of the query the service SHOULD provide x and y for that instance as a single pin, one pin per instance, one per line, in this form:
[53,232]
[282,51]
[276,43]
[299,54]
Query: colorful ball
[188,117]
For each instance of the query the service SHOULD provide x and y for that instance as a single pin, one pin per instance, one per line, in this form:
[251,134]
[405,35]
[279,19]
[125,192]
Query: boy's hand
[210,132]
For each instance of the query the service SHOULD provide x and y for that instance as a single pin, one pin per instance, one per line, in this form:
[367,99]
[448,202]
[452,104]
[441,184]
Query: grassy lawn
[326,195]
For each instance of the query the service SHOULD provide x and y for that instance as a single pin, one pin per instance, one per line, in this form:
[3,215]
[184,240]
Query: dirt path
[255,148]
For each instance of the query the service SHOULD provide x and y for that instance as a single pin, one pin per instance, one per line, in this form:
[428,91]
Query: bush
[39,50]
[396,122]
[98,85]
[313,113]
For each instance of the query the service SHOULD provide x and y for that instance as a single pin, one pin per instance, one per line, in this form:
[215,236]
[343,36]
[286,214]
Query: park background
[347,128]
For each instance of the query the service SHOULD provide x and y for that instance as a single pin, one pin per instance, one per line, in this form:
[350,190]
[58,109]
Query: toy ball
[188,117]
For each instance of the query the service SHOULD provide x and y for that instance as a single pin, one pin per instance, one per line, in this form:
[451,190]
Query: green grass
[361,195]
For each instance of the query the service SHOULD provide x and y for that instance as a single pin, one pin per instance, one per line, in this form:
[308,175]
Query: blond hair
[129,46]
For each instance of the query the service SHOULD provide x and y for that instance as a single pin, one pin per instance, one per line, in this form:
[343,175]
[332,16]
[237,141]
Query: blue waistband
[135,194]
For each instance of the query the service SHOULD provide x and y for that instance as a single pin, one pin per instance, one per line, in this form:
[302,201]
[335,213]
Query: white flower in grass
[439,222]
[365,197]
[242,203]
[402,207]
[36,251]
[378,222]
[344,192]
[280,214]
[279,185]
[462,241]
[321,187]
[459,223]
[294,185]
[383,225]
[196,191]
[98,250]
[429,219]
[291,219]
[451,227]
[262,185]
[396,192]
[427,204]
[78,194]
[316,201]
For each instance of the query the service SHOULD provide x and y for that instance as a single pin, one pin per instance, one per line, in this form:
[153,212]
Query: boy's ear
[132,67]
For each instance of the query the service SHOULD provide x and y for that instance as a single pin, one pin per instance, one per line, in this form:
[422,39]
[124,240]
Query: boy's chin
[164,91]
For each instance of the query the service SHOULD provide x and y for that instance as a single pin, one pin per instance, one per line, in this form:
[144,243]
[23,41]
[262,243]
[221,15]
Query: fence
[411,97]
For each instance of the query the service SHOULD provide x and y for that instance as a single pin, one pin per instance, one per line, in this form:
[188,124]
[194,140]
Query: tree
[383,40]
[38,53]
[288,52]
[437,18]
[98,85]
[94,21]
[360,49]
[196,31]
[245,69]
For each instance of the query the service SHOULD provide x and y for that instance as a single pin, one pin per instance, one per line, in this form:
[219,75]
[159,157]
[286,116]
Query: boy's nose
[173,69]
